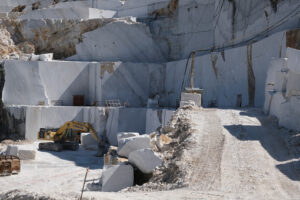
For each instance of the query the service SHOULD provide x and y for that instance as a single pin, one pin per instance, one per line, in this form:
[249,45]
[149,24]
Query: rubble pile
[8,48]
[129,163]
[18,194]
[170,143]
[59,36]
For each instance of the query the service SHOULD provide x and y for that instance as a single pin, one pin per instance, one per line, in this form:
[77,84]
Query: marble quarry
[137,53]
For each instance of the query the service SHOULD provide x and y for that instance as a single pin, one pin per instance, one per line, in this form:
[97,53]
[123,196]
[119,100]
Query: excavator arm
[68,137]
[80,127]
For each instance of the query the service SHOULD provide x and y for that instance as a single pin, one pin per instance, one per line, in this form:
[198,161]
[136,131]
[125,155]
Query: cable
[260,34]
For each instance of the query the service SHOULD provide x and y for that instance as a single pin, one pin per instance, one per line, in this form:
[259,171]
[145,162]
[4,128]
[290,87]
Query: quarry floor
[238,154]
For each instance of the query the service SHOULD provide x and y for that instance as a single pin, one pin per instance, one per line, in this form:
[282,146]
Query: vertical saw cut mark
[251,76]
[223,55]
[214,59]
[233,18]
[274,4]
[192,70]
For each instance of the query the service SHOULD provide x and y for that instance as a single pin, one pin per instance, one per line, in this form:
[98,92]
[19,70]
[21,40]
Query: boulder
[280,81]
[12,150]
[46,57]
[188,98]
[34,57]
[145,160]
[123,135]
[88,141]
[293,84]
[293,61]
[14,56]
[128,145]
[26,154]
[276,103]
[116,178]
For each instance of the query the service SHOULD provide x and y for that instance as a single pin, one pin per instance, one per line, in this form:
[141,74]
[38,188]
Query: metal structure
[9,165]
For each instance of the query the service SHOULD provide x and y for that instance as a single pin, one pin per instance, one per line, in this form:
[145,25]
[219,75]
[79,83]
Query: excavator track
[56,146]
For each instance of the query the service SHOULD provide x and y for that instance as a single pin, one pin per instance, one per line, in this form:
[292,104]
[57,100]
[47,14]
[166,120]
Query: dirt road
[242,153]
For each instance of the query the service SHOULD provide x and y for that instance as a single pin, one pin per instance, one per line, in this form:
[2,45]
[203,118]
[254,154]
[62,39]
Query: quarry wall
[185,26]
[223,76]
[283,90]
[108,121]
[137,59]
[11,125]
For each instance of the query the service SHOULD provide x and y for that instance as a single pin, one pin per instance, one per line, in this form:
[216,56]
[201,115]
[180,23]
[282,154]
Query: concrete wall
[283,90]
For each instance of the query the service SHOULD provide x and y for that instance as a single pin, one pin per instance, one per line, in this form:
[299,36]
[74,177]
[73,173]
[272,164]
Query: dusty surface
[56,174]
[233,154]
[244,154]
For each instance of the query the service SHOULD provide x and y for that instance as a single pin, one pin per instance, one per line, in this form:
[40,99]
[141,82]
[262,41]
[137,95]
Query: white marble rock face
[186,98]
[25,154]
[128,145]
[116,178]
[123,135]
[88,142]
[46,57]
[145,160]
[283,102]
[12,150]
[289,113]
[293,84]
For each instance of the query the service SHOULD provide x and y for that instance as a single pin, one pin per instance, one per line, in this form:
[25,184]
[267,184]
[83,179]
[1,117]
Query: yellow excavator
[66,137]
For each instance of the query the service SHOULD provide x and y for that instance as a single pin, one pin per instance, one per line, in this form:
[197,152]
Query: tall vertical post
[192,70]
[86,173]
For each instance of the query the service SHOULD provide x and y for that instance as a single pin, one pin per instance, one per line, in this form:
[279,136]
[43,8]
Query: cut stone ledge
[117,177]
[123,135]
[145,160]
[128,145]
